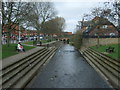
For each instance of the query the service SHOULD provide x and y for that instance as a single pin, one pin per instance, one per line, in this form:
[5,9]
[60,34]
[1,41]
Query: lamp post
[97,39]
[19,34]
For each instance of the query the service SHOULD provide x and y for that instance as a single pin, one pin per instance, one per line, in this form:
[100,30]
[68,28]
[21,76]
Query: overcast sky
[73,12]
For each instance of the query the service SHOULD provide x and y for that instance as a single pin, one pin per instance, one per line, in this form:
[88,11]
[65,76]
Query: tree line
[41,16]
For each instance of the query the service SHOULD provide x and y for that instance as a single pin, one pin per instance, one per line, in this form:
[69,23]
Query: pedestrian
[40,43]
[47,45]
[20,47]
[64,41]
[5,39]
[67,41]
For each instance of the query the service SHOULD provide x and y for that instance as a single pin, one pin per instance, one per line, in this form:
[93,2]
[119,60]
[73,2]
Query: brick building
[99,26]
[15,31]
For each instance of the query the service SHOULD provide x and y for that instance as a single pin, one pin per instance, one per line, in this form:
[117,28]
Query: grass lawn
[45,41]
[31,42]
[102,49]
[9,51]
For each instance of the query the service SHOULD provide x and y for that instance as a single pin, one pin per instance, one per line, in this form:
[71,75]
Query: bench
[110,49]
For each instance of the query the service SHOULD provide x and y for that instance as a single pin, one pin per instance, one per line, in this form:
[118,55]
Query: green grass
[31,42]
[10,51]
[0,52]
[45,41]
[114,55]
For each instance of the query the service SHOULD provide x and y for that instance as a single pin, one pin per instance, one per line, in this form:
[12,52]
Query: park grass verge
[28,43]
[102,49]
[11,50]
[31,42]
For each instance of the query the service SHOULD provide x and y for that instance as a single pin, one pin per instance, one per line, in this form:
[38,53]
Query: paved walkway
[68,69]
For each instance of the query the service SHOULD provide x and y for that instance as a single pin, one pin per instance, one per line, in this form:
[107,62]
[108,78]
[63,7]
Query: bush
[49,40]
[77,40]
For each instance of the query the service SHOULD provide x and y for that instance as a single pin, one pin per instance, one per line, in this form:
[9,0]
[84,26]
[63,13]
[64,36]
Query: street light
[19,34]
[97,39]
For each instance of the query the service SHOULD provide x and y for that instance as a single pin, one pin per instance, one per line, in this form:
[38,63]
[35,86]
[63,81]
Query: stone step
[22,68]
[103,66]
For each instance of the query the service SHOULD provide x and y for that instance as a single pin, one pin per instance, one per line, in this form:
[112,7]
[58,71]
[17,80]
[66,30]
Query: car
[31,38]
[112,34]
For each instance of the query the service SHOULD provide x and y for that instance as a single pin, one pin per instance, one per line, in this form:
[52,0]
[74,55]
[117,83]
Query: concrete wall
[103,41]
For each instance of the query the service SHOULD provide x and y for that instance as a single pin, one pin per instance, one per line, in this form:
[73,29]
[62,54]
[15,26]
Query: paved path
[68,69]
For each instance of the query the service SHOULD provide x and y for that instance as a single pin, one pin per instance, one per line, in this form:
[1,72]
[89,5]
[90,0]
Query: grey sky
[73,12]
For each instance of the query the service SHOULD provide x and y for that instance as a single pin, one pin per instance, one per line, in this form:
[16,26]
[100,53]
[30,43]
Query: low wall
[102,41]
[51,44]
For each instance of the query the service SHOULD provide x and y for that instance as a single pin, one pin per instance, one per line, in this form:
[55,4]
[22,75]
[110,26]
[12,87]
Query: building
[85,25]
[67,33]
[14,29]
[100,27]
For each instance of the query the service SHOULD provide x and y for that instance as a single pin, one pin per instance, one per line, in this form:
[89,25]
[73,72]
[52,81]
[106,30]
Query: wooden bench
[110,49]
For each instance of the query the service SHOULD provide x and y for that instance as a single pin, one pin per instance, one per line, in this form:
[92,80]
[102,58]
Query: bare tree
[0,19]
[117,13]
[87,17]
[111,11]
[96,11]
[103,11]
[13,13]
[0,10]
[43,11]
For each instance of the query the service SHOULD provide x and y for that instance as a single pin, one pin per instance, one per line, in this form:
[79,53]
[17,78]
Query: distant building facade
[98,27]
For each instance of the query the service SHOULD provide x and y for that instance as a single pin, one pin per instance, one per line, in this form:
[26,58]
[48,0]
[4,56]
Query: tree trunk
[98,43]
[8,39]
[38,38]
